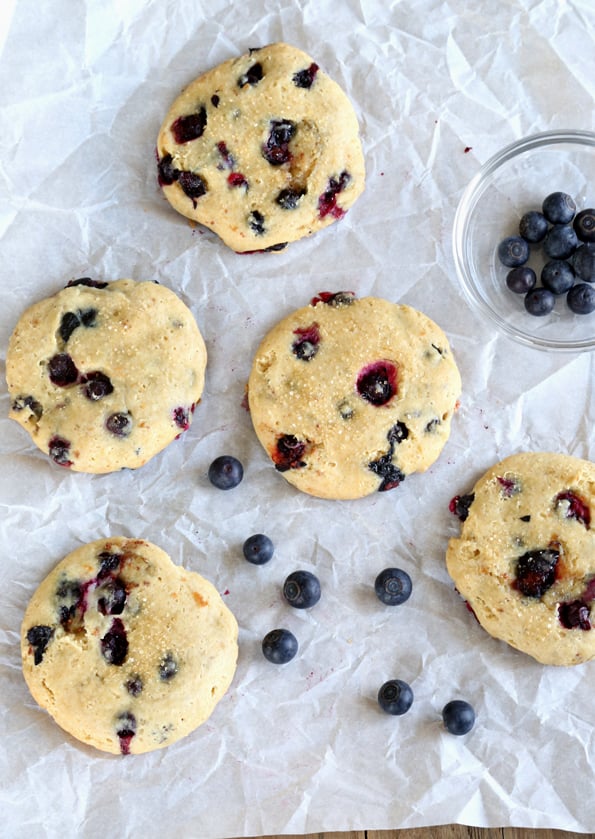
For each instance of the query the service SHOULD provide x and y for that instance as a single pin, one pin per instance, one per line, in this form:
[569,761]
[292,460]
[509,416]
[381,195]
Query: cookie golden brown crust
[263,149]
[525,557]
[127,651]
[105,375]
[349,396]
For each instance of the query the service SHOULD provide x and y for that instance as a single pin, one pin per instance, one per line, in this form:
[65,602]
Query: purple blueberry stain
[182,418]
[236,179]
[125,731]
[189,127]
[509,486]
[39,637]
[307,342]
[327,202]
[114,644]
[571,506]
[377,382]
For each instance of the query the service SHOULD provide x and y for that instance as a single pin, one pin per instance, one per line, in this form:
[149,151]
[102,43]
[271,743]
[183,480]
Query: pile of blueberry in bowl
[565,240]
[532,204]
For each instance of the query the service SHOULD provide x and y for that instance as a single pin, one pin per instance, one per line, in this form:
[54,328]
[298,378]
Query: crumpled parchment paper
[439,86]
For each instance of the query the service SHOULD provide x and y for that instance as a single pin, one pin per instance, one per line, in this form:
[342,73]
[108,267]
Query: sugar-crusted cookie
[127,651]
[349,396]
[263,149]
[525,557]
[105,375]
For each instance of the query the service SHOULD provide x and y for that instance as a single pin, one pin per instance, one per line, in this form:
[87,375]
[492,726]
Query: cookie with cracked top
[525,557]
[105,375]
[125,650]
[349,396]
[263,149]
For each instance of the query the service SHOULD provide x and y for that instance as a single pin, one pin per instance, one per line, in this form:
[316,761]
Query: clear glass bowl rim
[467,203]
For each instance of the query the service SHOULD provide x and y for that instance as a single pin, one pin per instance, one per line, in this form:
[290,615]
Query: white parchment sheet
[438,86]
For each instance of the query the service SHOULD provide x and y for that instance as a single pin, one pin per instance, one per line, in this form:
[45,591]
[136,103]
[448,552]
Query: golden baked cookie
[127,651]
[349,396]
[105,375]
[525,557]
[263,149]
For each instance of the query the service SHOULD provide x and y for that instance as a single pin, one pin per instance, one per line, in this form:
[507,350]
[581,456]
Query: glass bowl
[514,181]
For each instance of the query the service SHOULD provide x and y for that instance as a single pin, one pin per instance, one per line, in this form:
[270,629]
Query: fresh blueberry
[521,279]
[533,226]
[583,262]
[540,302]
[393,586]
[279,646]
[39,637]
[225,472]
[395,697]
[584,225]
[258,549]
[513,251]
[536,571]
[559,208]
[458,717]
[560,242]
[557,276]
[301,589]
[581,299]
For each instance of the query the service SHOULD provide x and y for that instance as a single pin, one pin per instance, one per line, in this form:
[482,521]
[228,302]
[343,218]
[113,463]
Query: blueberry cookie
[525,557]
[263,149]
[127,651]
[349,396]
[105,375]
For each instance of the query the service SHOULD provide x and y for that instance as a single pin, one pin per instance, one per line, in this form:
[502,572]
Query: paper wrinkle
[438,89]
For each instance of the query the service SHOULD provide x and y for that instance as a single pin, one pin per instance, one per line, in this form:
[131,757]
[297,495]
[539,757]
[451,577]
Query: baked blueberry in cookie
[122,369]
[263,149]
[525,558]
[349,396]
[105,649]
